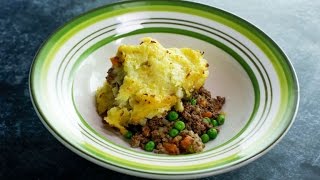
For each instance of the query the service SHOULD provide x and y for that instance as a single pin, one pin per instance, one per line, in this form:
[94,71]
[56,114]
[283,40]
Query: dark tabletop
[29,151]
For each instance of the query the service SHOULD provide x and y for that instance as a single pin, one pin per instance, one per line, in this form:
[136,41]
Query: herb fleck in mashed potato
[147,80]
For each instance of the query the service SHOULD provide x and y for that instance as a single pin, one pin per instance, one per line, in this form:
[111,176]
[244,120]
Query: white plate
[246,67]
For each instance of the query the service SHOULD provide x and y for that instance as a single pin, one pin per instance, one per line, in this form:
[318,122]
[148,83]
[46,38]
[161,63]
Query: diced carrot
[171,148]
[203,102]
[186,142]
[207,114]
[115,61]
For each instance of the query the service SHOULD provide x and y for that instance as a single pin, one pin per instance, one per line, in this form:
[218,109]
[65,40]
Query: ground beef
[187,141]
[138,140]
[111,75]
[196,145]
[194,114]
[146,131]
[156,122]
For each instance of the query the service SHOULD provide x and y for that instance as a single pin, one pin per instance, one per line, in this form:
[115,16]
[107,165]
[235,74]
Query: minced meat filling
[205,107]
[188,140]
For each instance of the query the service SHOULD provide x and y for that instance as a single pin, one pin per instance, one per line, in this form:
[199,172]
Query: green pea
[206,120]
[193,101]
[221,119]
[214,123]
[172,115]
[205,138]
[128,135]
[173,132]
[149,146]
[179,125]
[212,133]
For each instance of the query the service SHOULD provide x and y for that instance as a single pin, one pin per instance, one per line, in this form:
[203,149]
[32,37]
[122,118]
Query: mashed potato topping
[147,80]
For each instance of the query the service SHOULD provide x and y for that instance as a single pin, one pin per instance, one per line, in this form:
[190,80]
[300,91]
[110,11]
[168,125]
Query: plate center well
[226,78]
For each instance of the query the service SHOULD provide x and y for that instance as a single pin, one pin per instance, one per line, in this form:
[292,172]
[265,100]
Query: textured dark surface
[28,150]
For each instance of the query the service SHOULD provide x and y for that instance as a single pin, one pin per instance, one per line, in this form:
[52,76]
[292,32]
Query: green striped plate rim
[289,89]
